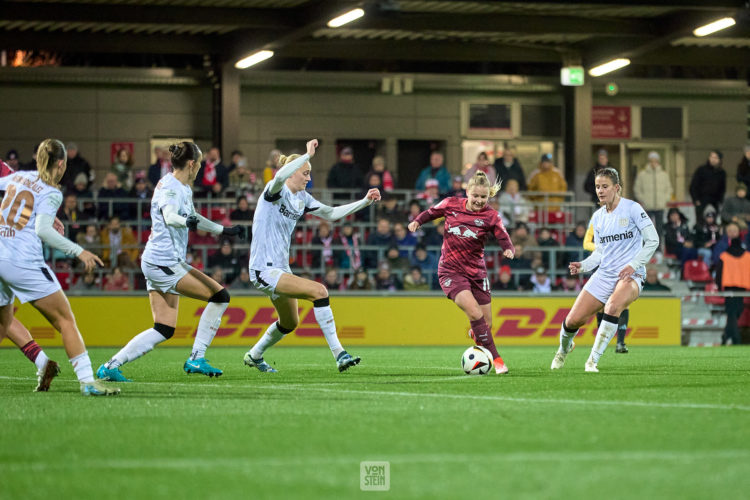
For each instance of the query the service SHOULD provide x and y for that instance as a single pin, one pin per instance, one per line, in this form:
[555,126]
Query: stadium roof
[394,35]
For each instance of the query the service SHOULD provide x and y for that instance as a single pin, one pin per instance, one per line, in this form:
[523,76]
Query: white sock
[606,331]
[137,347]
[566,338]
[41,361]
[272,335]
[324,317]
[82,367]
[207,326]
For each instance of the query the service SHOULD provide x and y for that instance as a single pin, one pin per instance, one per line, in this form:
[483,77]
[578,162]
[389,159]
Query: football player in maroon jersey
[461,271]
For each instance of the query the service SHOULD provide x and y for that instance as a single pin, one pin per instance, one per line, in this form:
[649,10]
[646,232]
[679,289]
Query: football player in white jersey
[283,202]
[625,240]
[168,275]
[27,215]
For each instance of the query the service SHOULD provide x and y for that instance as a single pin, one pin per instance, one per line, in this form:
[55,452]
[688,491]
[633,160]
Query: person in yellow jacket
[622,325]
[733,274]
[547,178]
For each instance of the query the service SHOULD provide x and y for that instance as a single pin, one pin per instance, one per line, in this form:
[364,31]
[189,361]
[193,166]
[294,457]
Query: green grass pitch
[655,423]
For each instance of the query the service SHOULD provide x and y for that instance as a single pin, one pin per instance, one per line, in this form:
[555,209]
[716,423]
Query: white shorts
[27,282]
[164,278]
[601,287]
[266,281]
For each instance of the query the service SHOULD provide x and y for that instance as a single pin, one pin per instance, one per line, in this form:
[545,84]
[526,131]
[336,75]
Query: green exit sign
[572,75]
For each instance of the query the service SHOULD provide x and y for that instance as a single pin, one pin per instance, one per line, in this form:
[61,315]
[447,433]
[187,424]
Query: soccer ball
[476,360]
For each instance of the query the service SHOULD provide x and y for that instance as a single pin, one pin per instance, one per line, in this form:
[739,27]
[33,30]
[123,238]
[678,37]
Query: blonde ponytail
[283,160]
[50,151]
[481,179]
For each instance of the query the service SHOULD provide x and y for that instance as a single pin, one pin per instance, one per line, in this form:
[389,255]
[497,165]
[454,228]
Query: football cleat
[471,335]
[345,361]
[500,366]
[111,374]
[201,365]
[559,360]
[260,364]
[621,349]
[45,376]
[97,388]
[590,366]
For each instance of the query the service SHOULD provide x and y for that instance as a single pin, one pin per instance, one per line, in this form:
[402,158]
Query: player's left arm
[432,213]
[650,240]
[503,238]
[323,211]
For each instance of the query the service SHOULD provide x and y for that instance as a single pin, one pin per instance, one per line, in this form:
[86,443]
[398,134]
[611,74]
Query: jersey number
[14,202]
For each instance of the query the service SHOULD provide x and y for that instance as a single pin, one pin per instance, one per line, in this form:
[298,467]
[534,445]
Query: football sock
[137,347]
[324,317]
[207,326]
[604,335]
[483,336]
[35,354]
[566,337]
[273,334]
[622,326]
[82,367]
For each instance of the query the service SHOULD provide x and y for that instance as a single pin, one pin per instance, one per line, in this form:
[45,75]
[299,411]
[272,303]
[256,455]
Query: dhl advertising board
[386,321]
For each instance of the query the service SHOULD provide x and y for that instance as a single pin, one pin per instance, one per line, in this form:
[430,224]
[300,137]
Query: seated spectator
[415,281]
[457,188]
[706,234]
[382,237]
[30,165]
[242,180]
[434,238]
[677,236]
[87,208]
[731,231]
[522,239]
[200,238]
[361,280]
[242,212]
[385,280]
[743,168]
[350,257]
[194,260]
[504,282]
[110,189]
[547,179]
[652,283]
[575,239]
[226,259]
[143,194]
[345,174]
[161,167]
[508,167]
[243,280]
[389,209]
[86,283]
[218,275]
[11,159]
[570,283]
[436,170]
[481,165]
[116,281]
[546,240]
[324,238]
[513,206]
[77,164]
[415,208]
[212,172]
[540,281]
[424,260]
[122,168]
[117,239]
[68,214]
[379,168]
[396,262]
[405,240]
[431,194]
[332,280]
[736,208]
[90,239]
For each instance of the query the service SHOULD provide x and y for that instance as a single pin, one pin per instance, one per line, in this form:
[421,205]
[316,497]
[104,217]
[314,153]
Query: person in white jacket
[653,190]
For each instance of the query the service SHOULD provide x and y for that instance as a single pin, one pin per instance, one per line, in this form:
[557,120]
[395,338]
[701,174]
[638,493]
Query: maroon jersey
[465,234]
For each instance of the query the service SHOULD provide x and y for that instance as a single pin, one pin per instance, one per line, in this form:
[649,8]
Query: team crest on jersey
[447,282]
[623,222]
[479,222]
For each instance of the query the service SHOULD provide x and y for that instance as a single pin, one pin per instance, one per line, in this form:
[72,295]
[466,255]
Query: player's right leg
[583,308]
[286,309]
[56,308]
[164,310]
[482,334]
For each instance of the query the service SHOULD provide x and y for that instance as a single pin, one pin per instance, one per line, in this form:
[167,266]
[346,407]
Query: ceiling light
[608,67]
[253,58]
[346,18]
[714,27]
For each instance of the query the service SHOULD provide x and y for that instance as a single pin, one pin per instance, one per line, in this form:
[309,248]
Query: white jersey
[26,196]
[273,225]
[167,245]
[617,236]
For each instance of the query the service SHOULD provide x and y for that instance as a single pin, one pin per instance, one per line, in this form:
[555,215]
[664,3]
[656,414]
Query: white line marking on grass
[325,387]
[244,462]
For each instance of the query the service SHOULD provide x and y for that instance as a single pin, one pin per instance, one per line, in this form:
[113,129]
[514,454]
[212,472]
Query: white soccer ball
[476,360]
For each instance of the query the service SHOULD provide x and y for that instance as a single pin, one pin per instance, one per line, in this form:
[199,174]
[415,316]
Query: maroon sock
[31,350]
[483,336]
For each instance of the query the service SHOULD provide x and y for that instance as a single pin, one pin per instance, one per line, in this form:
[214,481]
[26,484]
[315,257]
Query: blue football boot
[201,365]
[111,374]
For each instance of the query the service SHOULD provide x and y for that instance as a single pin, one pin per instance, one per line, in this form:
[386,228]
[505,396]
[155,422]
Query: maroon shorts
[452,283]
